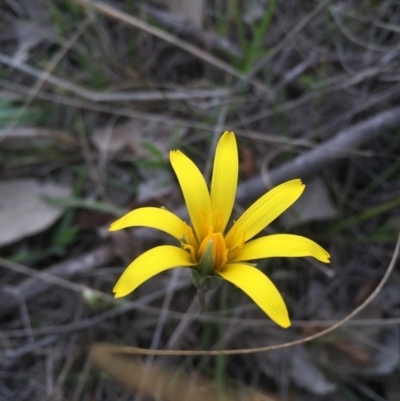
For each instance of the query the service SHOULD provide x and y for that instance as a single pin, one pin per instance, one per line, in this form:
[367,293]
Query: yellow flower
[204,246]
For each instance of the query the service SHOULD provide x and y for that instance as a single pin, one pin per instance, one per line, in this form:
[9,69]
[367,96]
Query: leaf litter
[343,71]
[23,212]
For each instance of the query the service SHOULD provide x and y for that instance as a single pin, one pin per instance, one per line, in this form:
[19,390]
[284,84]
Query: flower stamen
[231,234]
[190,248]
[205,222]
[218,221]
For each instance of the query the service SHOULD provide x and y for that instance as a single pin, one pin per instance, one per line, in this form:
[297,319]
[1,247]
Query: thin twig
[155,341]
[158,118]
[118,15]
[289,38]
[99,97]
[355,39]
[46,74]
[32,287]
[330,86]
[98,319]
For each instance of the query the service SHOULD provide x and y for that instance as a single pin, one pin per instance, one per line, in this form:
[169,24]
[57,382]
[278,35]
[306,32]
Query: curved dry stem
[112,349]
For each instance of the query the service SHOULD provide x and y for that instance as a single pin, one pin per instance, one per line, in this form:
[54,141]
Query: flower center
[213,251]
[213,243]
[210,252]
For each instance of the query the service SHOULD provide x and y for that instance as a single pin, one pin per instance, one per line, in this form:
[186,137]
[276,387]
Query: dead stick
[312,162]
[33,287]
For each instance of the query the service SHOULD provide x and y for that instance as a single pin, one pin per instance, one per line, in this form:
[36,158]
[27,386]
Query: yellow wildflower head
[205,247]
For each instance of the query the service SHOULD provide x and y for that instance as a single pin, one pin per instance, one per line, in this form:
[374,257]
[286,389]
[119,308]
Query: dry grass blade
[24,137]
[142,96]
[45,75]
[289,37]
[209,39]
[156,380]
[142,25]
[353,38]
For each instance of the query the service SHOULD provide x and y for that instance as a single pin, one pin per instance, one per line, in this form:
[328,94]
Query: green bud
[203,275]
[206,264]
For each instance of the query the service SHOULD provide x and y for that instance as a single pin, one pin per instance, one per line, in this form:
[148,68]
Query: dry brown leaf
[131,136]
[365,353]
[358,354]
[158,381]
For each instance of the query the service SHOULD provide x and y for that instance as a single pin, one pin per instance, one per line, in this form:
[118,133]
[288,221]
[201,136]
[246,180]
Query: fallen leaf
[150,141]
[155,187]
[23,212]
[296,362]
[132,137]
[315,204]
[356,352]
[306,375]
[366,356]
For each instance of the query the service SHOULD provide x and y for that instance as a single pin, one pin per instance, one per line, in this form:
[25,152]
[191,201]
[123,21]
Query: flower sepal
[204,283]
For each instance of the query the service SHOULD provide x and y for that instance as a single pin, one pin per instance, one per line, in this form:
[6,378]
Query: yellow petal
[224,180]
[194,190]
[153,217]
[259,288]
[264,211]
[149,264]
[281,245]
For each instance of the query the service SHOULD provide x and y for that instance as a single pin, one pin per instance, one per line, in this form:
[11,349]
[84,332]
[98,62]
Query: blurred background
[93,95]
